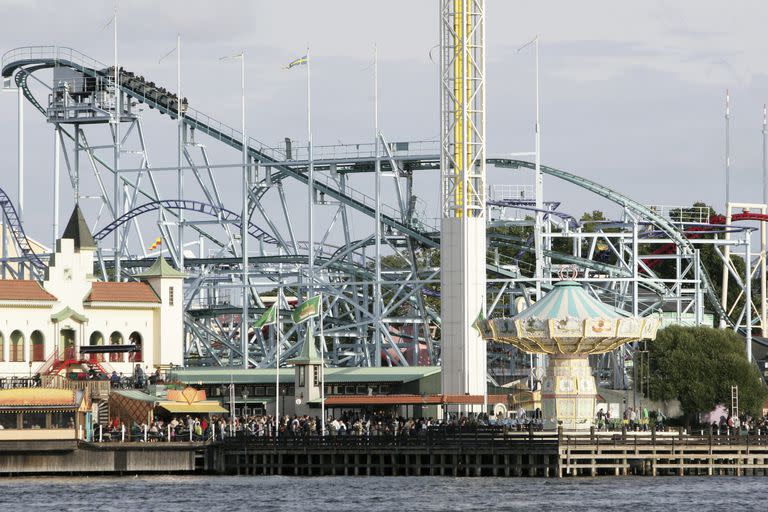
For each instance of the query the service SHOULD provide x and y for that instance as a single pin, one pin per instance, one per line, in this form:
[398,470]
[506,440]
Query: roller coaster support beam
[734,209]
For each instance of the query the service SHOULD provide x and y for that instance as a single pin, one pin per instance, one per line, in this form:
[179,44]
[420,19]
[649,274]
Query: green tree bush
[698,366]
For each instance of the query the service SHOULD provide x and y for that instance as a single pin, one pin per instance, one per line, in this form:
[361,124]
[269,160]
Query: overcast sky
[632,93]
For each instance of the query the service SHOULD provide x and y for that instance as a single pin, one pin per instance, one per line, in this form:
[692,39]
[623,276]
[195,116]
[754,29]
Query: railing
[693,214]
[52,52]
[146,435]
[19,382]
[96,388]
[365,151]
[506,191]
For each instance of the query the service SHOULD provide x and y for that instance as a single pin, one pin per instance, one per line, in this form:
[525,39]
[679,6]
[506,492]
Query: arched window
[136,339]
[97,339]
[116,339]
[38,346]
[17,347]
[2,347]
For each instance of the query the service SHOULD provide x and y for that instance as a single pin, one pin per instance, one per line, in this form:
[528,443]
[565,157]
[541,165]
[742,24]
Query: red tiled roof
[21,289]
[122,292]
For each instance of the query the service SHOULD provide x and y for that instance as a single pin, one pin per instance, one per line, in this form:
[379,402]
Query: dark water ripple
[374,494]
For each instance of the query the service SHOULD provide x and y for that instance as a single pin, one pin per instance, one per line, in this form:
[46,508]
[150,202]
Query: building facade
[42,322]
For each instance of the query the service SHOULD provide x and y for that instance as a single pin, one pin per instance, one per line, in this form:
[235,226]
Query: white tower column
[462,164]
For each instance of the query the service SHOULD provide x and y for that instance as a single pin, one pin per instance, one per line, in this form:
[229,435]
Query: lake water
[371,494]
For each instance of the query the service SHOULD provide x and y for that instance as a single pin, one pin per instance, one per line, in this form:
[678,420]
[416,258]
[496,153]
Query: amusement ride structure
[381,293]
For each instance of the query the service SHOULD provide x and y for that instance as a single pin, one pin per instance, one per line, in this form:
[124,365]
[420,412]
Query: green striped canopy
[568,321]
[568,298]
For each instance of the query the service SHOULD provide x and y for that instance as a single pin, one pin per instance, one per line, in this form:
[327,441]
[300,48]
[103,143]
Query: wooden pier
[494,453]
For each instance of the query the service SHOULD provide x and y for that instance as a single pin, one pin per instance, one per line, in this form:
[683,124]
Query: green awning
[68,312]
[134,394]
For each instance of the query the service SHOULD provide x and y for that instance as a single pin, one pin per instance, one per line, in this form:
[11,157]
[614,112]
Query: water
[373,494]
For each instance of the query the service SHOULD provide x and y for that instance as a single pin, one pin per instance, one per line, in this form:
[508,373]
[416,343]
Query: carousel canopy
[568,321]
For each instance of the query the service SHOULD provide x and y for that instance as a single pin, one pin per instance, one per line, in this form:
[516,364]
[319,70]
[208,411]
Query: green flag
[307,309]
[478,323]
[268,318]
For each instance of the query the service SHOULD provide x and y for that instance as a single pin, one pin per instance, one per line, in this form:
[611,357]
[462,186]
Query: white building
[44,323]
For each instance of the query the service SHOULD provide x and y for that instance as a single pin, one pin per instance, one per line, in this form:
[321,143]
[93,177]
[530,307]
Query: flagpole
[244,222]
[116,184]
[277,362]
[311,182]
[180,180]
[322,370]
[377,227]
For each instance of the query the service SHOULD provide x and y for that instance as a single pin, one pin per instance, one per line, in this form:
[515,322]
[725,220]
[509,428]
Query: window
[96,339]
[67,274]
[62,420]
[116,339]
[2,347]
[316,376]
[135,339]
[17,347]
[33,420]
[38,346]
[170,296]
[302,376]
[8,420]
[259,391]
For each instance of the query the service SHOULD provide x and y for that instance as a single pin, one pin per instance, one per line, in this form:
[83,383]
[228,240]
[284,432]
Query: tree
[698,366]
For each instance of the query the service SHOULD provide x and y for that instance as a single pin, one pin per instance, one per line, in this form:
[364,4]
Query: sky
[632,93]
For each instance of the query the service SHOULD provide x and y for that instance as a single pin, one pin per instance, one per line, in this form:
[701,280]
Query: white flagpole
[180,176]
[322,370]
[116,181]
[311,183]
[377,214]
[277,363]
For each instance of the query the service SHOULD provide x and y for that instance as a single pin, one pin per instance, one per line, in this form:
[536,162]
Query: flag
[478,323]
[297,62]
[155,245]
[268,318]
[307,309]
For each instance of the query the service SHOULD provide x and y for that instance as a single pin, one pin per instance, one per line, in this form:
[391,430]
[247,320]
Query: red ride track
[691,232]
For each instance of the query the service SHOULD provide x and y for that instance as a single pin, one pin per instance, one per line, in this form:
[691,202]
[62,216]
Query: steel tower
[462,167]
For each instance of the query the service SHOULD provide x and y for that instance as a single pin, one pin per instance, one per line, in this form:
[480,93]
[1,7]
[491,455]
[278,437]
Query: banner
[306,310]
[268,318]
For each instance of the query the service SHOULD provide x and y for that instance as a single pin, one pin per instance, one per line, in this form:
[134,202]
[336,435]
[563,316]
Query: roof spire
[77,229]
[161,268]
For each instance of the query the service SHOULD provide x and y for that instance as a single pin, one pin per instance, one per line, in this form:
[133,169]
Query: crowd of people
[742,425]
[350,423]
[633,419]
[140,379]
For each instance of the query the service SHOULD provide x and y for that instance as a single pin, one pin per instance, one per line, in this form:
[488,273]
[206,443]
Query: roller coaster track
[31,59]
[17,230]
[222,214]
[38,58]
[672,231]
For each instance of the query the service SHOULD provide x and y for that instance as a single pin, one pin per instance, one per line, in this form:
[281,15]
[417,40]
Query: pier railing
[496,437]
